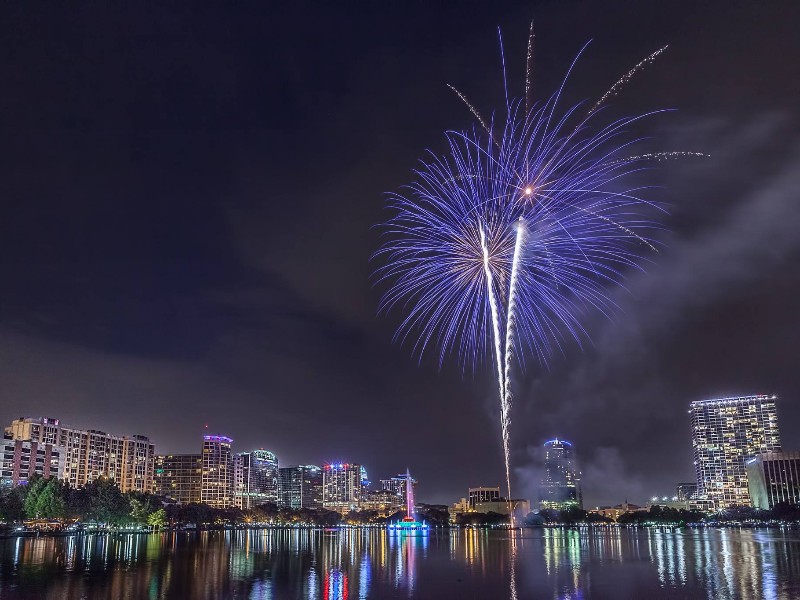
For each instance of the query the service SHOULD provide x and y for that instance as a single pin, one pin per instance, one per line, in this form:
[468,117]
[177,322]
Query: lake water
[358,564]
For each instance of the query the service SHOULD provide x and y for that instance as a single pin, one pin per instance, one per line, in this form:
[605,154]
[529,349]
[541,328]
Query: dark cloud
[186,209]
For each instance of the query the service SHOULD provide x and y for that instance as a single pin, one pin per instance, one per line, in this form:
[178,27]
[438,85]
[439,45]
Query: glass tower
[726,433]
[255,478]
[560,487]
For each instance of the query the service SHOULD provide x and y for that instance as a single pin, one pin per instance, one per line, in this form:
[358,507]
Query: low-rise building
[519,507]
[482,494]
[615,512]
[774,477]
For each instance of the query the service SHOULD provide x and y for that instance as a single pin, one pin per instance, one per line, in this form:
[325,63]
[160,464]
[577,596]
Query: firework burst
[501,247]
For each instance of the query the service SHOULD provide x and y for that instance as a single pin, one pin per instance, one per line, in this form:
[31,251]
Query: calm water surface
[358,564]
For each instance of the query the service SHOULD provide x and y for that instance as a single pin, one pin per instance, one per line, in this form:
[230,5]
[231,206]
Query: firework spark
[622,81]
[659,157]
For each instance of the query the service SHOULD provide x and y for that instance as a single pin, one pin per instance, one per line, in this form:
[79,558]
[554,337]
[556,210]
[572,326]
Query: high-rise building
[22,459]
[478,495]
[774,477]
[216,484]
[90,453]
[560,486]
[397,485]
[300,487]
[255,478]
[179,476]
[343,485]
[726,433]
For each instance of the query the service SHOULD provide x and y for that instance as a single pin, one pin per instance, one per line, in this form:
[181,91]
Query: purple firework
[500,247]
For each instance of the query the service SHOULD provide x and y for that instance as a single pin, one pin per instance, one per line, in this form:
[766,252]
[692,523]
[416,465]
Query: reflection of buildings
[300,487]
[216,484]
[774,477]
[178,476]
[343,486]
[89,453]
[560,486]
[726,433]
[20,460]
[255,478]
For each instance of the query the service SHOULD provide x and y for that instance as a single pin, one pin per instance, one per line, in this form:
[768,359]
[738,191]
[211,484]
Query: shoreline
[12,534]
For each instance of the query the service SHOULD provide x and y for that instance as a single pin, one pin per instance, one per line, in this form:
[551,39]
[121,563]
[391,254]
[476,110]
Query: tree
[572,515]
[50,503]
[550,515]
[157,518]
[532,520]
[140,511]
[598,518]
[12,501]
[106,503]
[34,489]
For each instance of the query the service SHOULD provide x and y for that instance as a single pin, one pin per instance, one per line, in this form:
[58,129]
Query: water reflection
[362,564]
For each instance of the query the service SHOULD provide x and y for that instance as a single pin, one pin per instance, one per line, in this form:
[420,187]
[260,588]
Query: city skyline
[188,215]
[728,435]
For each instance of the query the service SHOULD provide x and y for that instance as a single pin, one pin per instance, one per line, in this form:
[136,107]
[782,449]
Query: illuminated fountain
[409,524]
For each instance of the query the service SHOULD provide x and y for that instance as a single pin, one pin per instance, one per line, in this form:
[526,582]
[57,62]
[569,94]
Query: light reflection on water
[362,564]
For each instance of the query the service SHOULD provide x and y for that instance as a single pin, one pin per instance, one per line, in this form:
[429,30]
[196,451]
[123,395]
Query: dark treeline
[665,515]
[103,503]
[100,501]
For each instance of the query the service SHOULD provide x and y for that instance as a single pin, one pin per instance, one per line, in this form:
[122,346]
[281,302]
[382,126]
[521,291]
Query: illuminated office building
[560,486]
[90,453]
[343,486]
[726,433]
[216,479]
[255,478]
[178,476]
[773,478]
[300,487]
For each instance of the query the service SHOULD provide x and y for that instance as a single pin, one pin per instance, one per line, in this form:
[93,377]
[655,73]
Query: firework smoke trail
[614,89]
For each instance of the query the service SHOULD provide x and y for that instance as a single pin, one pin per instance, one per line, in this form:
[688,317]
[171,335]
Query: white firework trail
[506,397]
[614,89]
[495,316]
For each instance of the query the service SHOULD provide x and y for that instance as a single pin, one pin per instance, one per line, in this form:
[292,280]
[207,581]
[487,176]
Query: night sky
[187,208]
